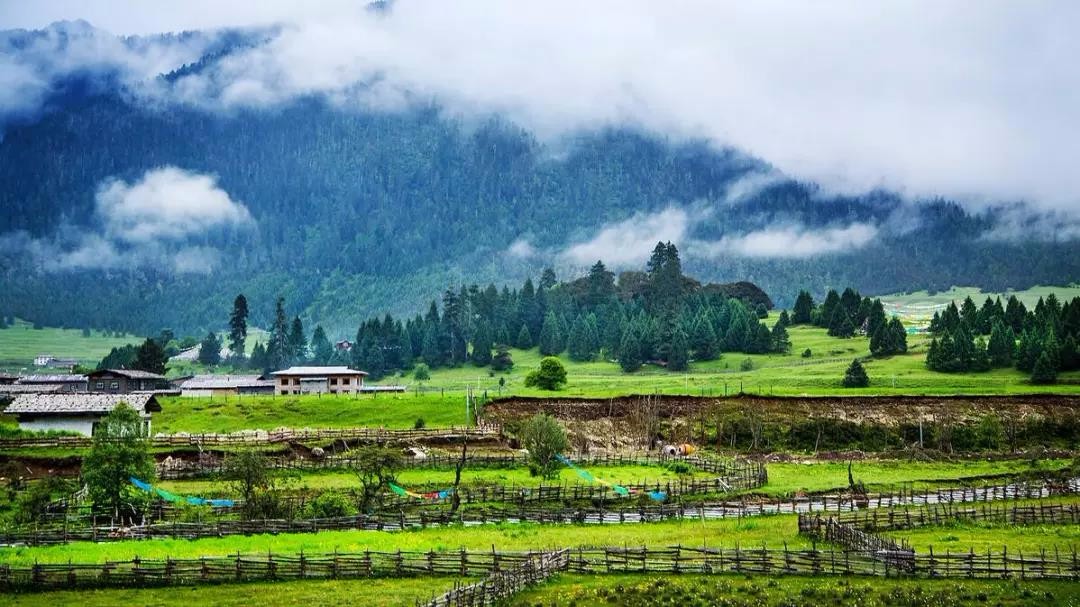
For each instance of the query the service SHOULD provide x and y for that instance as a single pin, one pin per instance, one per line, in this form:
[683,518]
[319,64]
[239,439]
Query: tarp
[431,495]
[180,499]
[585,474]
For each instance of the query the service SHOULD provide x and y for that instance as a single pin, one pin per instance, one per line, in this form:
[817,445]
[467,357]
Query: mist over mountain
[143,186]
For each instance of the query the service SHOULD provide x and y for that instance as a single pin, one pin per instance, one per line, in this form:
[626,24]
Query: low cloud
[1018,223]
[521,249]
[629,242]
[154,221]
[790,242]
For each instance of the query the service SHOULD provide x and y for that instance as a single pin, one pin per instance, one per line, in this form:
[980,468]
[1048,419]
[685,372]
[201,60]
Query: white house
[318,380]
[75,412]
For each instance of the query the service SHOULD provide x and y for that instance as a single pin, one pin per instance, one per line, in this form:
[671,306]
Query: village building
[123,381]
[78,412]
[319,380]
[226,385]
[53,362]
[66,382]
[6,379]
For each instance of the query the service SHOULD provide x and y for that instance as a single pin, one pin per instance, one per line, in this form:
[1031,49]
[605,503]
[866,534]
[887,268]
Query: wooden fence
[501,584]
[939,514]
[284,435]
[1006,564]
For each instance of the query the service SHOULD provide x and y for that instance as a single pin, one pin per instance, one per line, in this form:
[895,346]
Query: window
[284,381]
[114,385]
[345,381]
[333,381]
[100,385]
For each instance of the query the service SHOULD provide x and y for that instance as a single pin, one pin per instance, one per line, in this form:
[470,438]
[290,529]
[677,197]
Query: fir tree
[259,358]
[238,327]
[210,350]
[579,344]
[297,341]
[277,350]
[524,340]
[630,351]
[855,376]
[803,311]
[150,357]
[322,351]
[703,339]
[678,352]
[1044,370]
[781,343]
[899,336]
[551,339]
[430,351]
[1002,343]
[481,352]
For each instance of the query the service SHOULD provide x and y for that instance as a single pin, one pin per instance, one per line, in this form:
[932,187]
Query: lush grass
[480,476]
[222,414]
[376,592]
[749,591]
[754,531]
[983,536]
[788,478]
[20,343]
[789,374]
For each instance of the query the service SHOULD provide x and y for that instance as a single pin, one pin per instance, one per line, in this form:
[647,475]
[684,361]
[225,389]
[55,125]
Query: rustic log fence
[249,438]
[501,584]
[1050,563]
[1052,513]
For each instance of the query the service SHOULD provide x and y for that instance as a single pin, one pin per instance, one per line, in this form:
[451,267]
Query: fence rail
[1006,564]
[940,514]
[501,584]
[285,435]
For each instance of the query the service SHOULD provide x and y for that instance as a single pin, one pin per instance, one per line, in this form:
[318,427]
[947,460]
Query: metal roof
[58,378]
[210,382]
[319,371]
[29,388]
[128,373]
[79,403]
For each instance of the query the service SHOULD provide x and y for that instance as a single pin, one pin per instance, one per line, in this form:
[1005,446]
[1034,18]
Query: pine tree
[238,327]
[277,350]
[210,350]
[481,352]
[855,376]
[703,339]
[551,339]
[678,352]
[297,341]
[880,342]
[1002,343]
[430,351]
[1044,370]
[580,344]
[1015,313]
[875,317]
[322,351]
[899,336]
[840,324]
[524,340]
[1028,351]
[802,313]
[630,351]
[150,357]
[259,359]
[781,342]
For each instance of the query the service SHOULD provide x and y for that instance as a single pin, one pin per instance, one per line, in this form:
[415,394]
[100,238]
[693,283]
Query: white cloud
[150,222]
[789,242]
[521,249]
[629,242]
[926,98]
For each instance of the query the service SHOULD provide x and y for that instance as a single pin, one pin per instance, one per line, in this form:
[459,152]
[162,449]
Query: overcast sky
[972,100]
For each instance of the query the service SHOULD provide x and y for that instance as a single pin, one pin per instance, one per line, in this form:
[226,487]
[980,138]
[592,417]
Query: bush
[544,438]
[550,376]
[330,504]
[746,365]
[422,372]
[807,353]
[418,424]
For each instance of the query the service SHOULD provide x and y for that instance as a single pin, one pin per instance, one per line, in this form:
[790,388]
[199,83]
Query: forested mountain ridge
[359,212]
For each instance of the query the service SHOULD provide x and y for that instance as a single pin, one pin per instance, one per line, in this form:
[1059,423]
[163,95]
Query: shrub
[855,376]
[418,424]
[746,365]
[807,353]
[330,504]
[544,438]
[550,376]
[422,372]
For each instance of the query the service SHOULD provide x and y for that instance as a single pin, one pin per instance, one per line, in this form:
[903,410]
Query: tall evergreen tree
[630,351]
[523,340]
[322,351]
[210,350]
[828,308]
[238,327]
[781,342]
[1001,345]
[678,352]
[297,341]
[551,338]
[803,312]
[703,339]
[150,357]
[481,352]
[277,349]
[1044,371]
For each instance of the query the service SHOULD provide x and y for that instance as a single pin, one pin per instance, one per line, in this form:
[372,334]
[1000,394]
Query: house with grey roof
[122,381]
[225,385]
[68,382]
[78,412]
[318,380]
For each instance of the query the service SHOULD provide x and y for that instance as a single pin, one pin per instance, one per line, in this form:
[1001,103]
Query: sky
[972,100]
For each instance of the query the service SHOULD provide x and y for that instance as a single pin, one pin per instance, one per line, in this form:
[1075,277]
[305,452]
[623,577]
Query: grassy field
[325,593]
[789,374]
[784,478]
[983,536]
[749,591]
[20,343]
[219,414]
[755,531]
[1029,297]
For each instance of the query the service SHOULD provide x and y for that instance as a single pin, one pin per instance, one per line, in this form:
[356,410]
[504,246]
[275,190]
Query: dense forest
[356,213]
[1041,342]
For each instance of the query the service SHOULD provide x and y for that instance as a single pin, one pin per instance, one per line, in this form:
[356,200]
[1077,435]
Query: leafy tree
[855,376]
[210,350]
[422,372]
[251,476]
[550,376]
[502,360]
[630,351]
[376,468]
[150,357]
[544,438]
[803,311]
[238,327]
[1045,371]
[120,451]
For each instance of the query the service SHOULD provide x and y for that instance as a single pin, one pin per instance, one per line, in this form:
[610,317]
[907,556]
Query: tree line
[1041,342]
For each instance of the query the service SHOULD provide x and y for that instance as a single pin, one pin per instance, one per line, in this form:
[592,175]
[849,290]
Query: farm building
[53,362]
[6,379]
[226,385]
[318,380]
[123,381]
[75,412]
[67,382]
